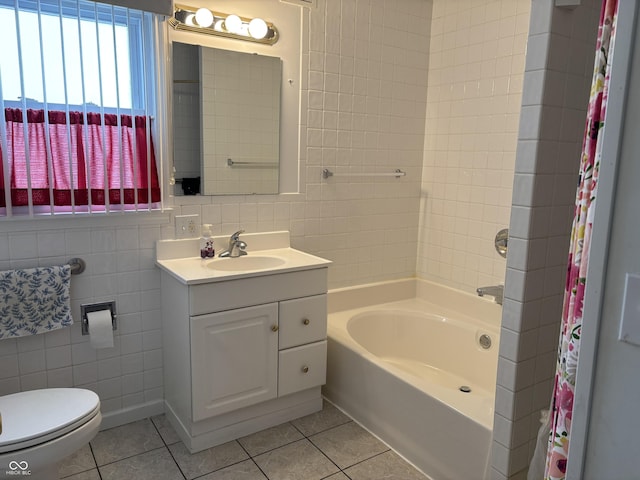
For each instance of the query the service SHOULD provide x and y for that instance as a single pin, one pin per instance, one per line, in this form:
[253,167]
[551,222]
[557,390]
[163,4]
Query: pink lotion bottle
[207,249]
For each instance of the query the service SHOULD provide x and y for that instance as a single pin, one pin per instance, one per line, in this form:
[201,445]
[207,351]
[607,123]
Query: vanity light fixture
[203,20]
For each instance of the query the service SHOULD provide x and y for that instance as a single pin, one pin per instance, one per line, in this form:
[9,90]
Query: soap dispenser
[206,242]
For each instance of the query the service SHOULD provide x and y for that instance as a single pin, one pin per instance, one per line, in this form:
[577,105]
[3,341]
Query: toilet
[39,428]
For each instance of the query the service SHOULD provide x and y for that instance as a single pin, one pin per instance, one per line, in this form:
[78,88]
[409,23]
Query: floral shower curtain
[569,345]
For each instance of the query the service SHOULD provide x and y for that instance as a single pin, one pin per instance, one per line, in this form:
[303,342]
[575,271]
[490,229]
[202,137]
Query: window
[77,88]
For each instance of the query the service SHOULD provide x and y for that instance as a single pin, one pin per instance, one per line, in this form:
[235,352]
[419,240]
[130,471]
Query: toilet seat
[39,416]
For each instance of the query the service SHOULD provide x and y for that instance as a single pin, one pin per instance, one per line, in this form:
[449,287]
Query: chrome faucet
[496,291]
[236,248]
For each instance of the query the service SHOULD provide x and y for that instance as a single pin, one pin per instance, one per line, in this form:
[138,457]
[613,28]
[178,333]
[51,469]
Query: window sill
[61,222]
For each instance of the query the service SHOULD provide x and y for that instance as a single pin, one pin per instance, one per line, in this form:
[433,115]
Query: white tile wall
[366,100]
[557,78]
[476,71]
[120,267]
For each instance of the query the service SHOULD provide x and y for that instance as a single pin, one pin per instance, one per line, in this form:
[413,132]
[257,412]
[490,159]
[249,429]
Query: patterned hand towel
[34,300]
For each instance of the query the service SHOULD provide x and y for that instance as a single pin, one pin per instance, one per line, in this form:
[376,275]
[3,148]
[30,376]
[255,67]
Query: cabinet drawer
[302,321]
[218,296]
[302,367]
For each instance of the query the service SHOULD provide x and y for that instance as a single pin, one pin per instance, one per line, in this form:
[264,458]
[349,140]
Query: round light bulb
[218,26]
[204,17]
[233,24]
[258,28]
[189,20]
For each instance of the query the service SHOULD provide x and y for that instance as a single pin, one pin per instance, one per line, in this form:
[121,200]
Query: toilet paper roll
[100,329]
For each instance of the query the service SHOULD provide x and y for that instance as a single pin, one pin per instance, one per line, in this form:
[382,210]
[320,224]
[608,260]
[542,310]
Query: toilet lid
[33,417]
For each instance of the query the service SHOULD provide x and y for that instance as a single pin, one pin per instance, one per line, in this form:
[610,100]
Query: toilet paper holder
[96,307]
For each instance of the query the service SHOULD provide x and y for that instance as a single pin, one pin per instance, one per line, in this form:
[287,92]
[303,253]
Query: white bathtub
[398,368]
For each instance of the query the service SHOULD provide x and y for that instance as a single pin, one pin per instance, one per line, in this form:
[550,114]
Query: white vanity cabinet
[273,350]
[242,354]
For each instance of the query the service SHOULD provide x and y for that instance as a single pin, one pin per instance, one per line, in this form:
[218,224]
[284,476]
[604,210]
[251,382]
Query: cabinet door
[234,359]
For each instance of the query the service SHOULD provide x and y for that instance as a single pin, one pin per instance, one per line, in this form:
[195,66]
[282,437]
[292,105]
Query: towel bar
[77,265]
[326,173]
[234,163]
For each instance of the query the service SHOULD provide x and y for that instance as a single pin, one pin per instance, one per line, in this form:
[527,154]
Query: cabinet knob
[306,321]
[305,369]
[274,328]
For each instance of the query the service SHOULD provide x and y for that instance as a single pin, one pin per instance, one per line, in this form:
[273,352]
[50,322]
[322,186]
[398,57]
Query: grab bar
[326,173]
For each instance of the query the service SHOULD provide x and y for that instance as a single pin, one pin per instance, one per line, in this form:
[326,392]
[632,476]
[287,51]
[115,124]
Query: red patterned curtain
[87,162]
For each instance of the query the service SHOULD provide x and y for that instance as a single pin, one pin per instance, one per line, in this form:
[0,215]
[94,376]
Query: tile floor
[324,445]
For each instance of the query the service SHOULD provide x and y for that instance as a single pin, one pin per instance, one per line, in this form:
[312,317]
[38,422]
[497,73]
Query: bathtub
[419,372]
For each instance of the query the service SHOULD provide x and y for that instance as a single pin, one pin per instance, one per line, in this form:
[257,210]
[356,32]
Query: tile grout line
[351,420]
[389,448]
[293,441]
[129,457]
[167,447]
[226,466]
[322,452]
[304,437]
[222,468]
[252,457]
[95,467]
[322,431]
[319,449]
[332,428]
[274,448]
[95,461]
[260,469]
[254,462]
[366,460]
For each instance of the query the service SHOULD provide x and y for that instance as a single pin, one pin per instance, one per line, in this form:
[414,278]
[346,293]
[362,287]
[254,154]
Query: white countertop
[195,270]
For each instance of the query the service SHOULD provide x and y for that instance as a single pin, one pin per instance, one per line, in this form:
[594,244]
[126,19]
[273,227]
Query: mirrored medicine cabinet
[226,121]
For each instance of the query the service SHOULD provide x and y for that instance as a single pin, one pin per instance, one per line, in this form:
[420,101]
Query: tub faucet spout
[496,291]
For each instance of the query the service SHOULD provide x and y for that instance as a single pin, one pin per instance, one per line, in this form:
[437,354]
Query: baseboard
[131,414]
[252,419]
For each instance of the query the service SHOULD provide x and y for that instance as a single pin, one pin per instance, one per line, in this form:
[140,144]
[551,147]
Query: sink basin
[244,264]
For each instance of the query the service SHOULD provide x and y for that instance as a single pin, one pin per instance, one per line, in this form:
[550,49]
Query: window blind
[162,7]
[78,83]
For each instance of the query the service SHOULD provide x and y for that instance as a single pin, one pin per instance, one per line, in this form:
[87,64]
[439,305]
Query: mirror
[226,121]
